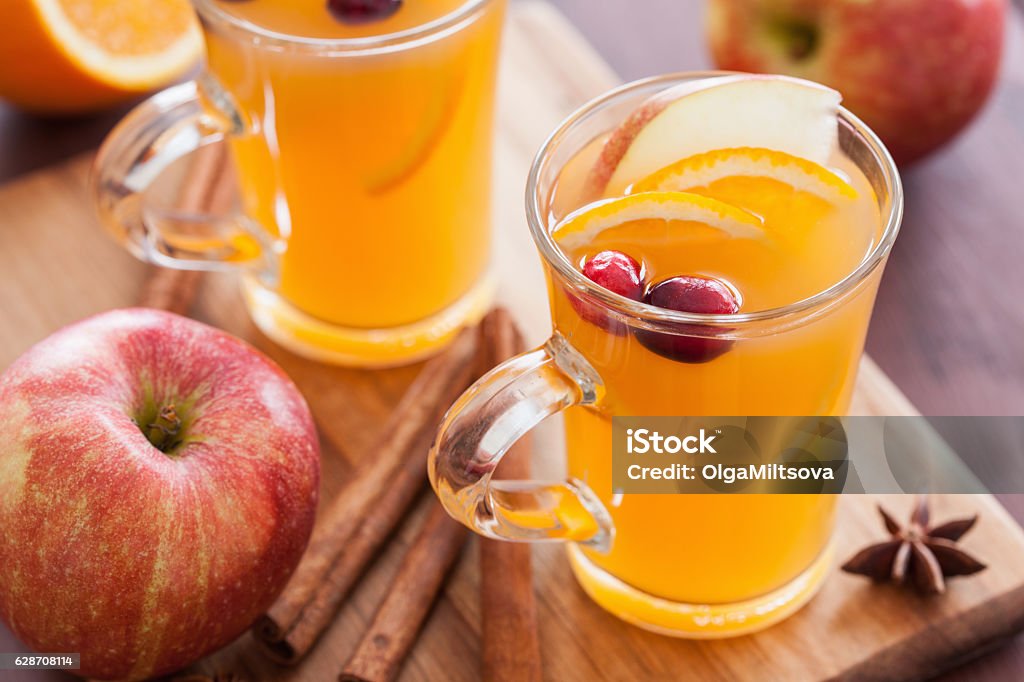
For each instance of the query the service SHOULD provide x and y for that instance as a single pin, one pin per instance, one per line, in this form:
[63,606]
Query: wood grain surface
[57,267]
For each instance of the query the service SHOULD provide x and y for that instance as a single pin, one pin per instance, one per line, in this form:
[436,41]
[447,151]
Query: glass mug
[363,225]
[699,566]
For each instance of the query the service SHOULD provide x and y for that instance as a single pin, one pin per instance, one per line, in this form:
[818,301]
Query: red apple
[917,71]
[158,484]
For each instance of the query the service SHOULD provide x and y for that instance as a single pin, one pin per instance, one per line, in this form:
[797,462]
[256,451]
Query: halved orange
[68,56]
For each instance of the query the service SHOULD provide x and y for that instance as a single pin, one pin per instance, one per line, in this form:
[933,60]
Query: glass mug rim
[415,36]
[659,317]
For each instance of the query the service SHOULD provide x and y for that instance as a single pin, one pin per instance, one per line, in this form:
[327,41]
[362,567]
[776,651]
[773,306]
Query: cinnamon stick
[204,191]
[171,290]
[511,650]
[380,653]
[366,511]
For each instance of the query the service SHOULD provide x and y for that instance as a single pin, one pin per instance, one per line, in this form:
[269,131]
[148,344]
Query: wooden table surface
[949,321]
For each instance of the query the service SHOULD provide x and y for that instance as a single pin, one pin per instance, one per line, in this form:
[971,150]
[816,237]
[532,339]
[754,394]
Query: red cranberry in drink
[691,294]
[618,273]
[362,11]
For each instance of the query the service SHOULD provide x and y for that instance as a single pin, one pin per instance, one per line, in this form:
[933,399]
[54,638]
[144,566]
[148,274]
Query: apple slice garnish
[785,114]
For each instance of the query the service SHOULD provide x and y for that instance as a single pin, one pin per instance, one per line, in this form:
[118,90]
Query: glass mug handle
[482,426]
[163,129]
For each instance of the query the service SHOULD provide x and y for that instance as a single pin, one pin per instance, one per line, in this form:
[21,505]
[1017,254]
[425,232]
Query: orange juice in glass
[704,258]
[361,135]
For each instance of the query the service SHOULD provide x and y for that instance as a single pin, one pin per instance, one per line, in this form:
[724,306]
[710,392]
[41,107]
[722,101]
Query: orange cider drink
[361,135]
[366,152]
[749,545]
[713,246]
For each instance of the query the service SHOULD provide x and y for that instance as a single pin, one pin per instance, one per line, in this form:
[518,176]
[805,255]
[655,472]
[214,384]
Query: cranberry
[618,273]
[689,294]
[362,11]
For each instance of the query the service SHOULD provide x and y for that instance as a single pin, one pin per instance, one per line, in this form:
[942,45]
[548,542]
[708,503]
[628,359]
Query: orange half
[66,56]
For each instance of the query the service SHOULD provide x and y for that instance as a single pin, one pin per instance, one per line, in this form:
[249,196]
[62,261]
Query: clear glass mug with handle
[699,566]
[362,226]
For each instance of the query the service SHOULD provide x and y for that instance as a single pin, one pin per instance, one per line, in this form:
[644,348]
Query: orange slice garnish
[703,170]
[580,228]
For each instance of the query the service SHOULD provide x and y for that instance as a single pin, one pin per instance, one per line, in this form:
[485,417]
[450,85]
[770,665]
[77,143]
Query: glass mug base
[697,621]
[322,341]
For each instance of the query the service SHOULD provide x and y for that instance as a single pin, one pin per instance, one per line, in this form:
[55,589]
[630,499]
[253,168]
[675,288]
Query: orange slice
[414,138]
[66,56]
[703,170]
[580,228]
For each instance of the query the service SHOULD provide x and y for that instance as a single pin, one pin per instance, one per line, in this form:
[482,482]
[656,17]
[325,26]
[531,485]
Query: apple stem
[163,433]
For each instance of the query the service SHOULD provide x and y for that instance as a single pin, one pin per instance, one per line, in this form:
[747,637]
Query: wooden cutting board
[57,266]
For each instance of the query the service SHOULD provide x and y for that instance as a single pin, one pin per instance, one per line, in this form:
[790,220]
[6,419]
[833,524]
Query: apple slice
[785,114]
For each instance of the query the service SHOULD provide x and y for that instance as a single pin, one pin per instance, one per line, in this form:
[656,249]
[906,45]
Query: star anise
[918,553]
